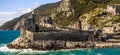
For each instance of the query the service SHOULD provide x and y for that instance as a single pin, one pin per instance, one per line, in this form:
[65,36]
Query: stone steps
[114,40]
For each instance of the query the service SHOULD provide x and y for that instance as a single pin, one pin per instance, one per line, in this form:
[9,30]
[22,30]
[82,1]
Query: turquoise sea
[8,36]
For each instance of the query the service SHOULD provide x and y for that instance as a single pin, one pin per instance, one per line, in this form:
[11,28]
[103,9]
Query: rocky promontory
[74,24]
[55,41]
[60,40]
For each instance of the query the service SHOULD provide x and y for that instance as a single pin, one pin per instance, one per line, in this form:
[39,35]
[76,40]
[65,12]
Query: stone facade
[30,24]
[111,29]
[76,26]
[50,40]
[46,22]
[108,29]
[52,37]
[84,22]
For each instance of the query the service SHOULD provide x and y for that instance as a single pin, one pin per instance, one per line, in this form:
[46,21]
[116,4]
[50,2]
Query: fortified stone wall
[29,34]
[65,36]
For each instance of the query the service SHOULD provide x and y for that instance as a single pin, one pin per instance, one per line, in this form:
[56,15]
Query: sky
[10,9]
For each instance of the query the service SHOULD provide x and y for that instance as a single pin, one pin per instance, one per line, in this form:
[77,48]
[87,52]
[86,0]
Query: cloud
[27,10]
[6,16]
[24,10]
[7,13]
[36,4]
[3,20]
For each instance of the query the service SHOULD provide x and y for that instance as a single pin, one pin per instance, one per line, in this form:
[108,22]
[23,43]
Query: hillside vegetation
[80,7]
[43,10]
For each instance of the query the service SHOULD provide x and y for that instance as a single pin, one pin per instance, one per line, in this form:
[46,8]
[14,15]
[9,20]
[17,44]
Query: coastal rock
[46,36]
[17,26]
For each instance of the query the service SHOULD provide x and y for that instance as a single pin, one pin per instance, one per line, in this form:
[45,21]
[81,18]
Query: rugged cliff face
[65,12]
[43,10]
[68,12]
[92,13]
[88,14]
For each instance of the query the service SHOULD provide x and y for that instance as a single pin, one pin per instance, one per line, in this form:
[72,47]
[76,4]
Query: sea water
[8,36]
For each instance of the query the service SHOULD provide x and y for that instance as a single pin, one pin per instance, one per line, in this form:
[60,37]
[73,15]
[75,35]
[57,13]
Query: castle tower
[30,23]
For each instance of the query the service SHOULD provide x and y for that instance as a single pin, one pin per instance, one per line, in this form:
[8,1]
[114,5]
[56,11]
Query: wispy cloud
[24,10]
[7,13]
[27,10]
[6,16]
[36,4]
[3,20]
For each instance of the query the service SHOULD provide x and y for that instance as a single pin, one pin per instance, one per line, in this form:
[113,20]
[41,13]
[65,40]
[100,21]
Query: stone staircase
[115,38]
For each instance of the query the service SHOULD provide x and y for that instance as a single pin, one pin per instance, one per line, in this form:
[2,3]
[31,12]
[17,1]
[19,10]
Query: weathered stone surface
[49,37]
[50,41]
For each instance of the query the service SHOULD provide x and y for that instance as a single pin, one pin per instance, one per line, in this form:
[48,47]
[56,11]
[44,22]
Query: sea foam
[4,48]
